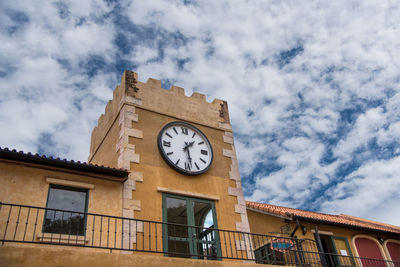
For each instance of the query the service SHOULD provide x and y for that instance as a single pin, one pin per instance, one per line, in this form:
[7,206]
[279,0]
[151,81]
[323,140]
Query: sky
[312,86]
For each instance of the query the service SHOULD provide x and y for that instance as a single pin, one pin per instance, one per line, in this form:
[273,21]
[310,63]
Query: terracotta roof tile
[345,220]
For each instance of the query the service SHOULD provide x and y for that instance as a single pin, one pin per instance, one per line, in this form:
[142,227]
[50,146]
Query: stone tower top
[173,102]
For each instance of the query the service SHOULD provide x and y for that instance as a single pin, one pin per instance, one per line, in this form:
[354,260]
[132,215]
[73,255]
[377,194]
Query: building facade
[171,189]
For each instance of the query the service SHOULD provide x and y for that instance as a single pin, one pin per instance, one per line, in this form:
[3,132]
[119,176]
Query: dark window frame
[68,188]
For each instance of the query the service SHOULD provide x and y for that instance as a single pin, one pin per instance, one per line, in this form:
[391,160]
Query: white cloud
[292,132]
[372,191]
[39,94]
[365,128]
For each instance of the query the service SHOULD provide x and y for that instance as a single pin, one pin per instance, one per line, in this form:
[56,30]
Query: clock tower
[180,154]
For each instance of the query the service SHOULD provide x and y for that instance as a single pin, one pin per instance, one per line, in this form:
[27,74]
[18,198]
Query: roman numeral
[170,153]
[175,130]
[197,166]
[167,134]
[184,130]
[165,143]
[187,166]
[204,152]
[203,160]
[176,163]
[201,143]
[193,135]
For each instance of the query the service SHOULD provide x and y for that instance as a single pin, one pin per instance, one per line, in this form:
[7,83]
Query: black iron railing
[30,224]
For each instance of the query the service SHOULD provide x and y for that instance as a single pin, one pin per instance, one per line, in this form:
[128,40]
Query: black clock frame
[169,162]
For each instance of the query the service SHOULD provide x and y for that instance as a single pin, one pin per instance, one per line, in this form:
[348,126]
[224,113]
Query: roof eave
[116,174]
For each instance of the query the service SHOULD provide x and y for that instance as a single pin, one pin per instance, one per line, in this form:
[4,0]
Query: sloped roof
[44,160]
[341,219]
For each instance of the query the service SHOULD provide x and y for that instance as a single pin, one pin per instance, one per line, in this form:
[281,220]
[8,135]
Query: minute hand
[187,150]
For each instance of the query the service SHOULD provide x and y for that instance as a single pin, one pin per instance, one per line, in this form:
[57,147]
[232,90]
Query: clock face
[185,148]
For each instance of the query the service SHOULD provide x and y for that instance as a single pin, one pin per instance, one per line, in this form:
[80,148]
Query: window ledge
[187,193]
[62,239]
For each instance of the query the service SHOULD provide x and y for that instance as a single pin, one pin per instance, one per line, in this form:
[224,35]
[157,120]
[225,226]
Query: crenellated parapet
[175,103]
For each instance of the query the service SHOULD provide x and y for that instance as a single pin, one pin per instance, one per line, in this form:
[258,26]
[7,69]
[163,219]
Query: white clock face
[185,148]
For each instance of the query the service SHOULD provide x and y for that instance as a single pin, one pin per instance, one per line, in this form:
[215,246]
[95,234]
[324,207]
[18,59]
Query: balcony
[46,226]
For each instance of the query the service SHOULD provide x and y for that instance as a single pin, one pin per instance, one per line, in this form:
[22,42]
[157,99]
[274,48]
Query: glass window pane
[64,199]
[177,213]
[203,219]
[65,222]
[202,214]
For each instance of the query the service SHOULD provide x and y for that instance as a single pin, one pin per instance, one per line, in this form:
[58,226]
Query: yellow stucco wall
[46,256]
[264,224]
[106,154]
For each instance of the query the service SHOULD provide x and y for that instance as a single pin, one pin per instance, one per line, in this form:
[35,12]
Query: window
[193,235]
[69,218]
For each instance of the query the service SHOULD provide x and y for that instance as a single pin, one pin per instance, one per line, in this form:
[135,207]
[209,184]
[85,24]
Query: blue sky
[312,86]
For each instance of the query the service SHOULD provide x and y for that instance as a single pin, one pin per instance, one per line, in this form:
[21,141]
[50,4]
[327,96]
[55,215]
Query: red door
[394,252]
[367,248]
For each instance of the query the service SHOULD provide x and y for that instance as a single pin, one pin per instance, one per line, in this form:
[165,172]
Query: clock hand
[187,145]
[190,159]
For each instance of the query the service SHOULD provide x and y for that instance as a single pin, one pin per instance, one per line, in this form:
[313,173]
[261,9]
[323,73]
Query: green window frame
[61,222]
[201,243]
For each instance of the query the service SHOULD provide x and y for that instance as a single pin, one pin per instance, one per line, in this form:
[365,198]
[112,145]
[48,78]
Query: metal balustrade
[47,226]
